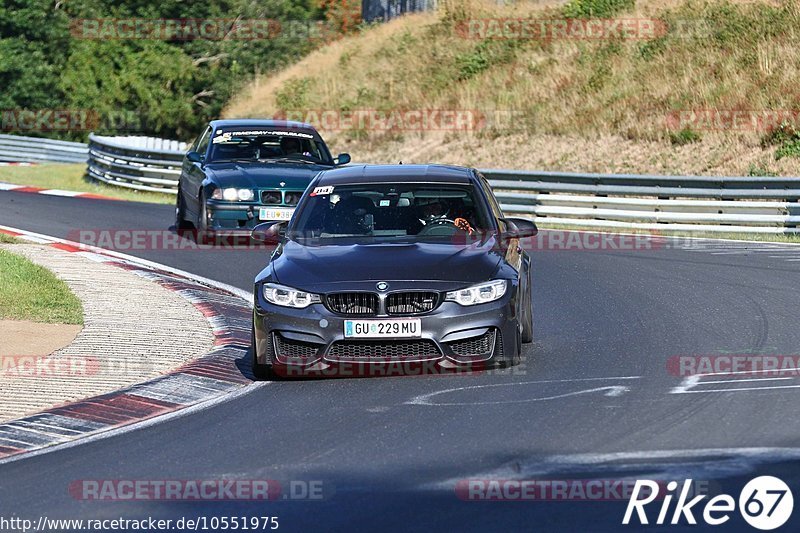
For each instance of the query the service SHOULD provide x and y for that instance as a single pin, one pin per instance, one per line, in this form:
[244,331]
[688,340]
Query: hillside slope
[701,88]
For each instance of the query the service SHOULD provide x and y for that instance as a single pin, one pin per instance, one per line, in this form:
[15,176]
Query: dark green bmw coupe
[242,172]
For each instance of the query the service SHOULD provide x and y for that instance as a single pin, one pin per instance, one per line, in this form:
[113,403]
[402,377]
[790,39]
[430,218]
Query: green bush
[684,136]
[788,149]
[485,55]
[596,8]
[759,171]
[293,95]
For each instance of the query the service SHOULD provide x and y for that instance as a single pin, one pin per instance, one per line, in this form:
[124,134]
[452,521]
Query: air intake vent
[411,303]
[380,350]
[271,197]
[292,348]
[352,303]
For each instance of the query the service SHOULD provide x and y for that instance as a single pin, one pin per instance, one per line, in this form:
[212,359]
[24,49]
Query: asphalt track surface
[593,399]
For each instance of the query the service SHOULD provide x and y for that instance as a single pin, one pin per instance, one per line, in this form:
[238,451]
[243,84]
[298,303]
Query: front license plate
[377,329]
[266,213]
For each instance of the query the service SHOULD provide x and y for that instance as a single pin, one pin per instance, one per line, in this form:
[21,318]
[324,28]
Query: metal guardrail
[691,203]
[620,201]
[16,148]
[141,163]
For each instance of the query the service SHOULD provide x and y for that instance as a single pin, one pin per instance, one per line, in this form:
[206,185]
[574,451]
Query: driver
[437,212]
[290,145]
[432,212]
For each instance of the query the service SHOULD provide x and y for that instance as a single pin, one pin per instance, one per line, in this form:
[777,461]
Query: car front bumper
[236,218]
[452,336]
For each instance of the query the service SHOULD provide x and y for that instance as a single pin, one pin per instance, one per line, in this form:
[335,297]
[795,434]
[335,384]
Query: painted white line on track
[611,390]
[59,192]
[744,380]
[695,384]
[740,389]
[41,238]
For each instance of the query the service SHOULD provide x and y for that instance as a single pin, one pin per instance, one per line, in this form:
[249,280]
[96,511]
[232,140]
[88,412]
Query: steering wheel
[439,226]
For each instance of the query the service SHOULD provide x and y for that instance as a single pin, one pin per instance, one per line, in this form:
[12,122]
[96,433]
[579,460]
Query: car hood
[262,175]
[359,266]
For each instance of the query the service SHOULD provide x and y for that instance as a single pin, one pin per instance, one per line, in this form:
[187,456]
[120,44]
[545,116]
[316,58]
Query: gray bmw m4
[409,266]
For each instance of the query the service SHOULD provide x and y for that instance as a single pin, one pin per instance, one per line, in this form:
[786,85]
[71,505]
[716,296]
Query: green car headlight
[232,194]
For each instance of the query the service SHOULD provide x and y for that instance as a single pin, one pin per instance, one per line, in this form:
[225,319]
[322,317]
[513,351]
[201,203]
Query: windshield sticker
[321,191]
[225,136]
[385,203]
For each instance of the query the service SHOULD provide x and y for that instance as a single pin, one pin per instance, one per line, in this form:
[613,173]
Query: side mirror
[269,232]
[194,157]
[343,159]
[519,228]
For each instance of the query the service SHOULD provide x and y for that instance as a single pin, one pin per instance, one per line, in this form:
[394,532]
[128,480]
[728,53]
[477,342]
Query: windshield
[390,212]
[268,145]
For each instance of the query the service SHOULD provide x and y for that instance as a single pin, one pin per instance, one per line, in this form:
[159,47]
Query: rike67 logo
[765,503]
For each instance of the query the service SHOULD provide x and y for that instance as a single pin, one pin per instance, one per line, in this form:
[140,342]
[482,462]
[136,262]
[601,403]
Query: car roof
[260,122]
[396,173]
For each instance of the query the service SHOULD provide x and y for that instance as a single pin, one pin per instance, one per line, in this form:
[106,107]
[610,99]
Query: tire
[202,234]
[260,372]
[527,318]
[180,213]
[515,359]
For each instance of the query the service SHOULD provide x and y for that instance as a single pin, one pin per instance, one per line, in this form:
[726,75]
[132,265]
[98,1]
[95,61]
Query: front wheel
[180,213]
[203,234]
[527,318]
[260,372]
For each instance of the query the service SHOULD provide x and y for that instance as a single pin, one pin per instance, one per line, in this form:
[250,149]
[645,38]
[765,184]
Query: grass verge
[71,177]
[31,292]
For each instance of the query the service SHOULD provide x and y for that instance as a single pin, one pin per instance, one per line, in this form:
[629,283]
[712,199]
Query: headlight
[479,294]
[231,194]
[289,297]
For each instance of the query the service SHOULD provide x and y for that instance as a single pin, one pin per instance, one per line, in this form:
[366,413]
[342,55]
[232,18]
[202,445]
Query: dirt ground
[23,338]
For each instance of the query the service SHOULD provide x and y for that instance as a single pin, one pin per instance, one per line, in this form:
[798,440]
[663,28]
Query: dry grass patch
[620,92]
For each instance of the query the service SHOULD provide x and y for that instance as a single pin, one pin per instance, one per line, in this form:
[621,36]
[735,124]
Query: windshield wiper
[290,160]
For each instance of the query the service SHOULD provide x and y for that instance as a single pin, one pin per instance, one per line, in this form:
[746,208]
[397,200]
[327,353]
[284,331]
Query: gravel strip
[134,330]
